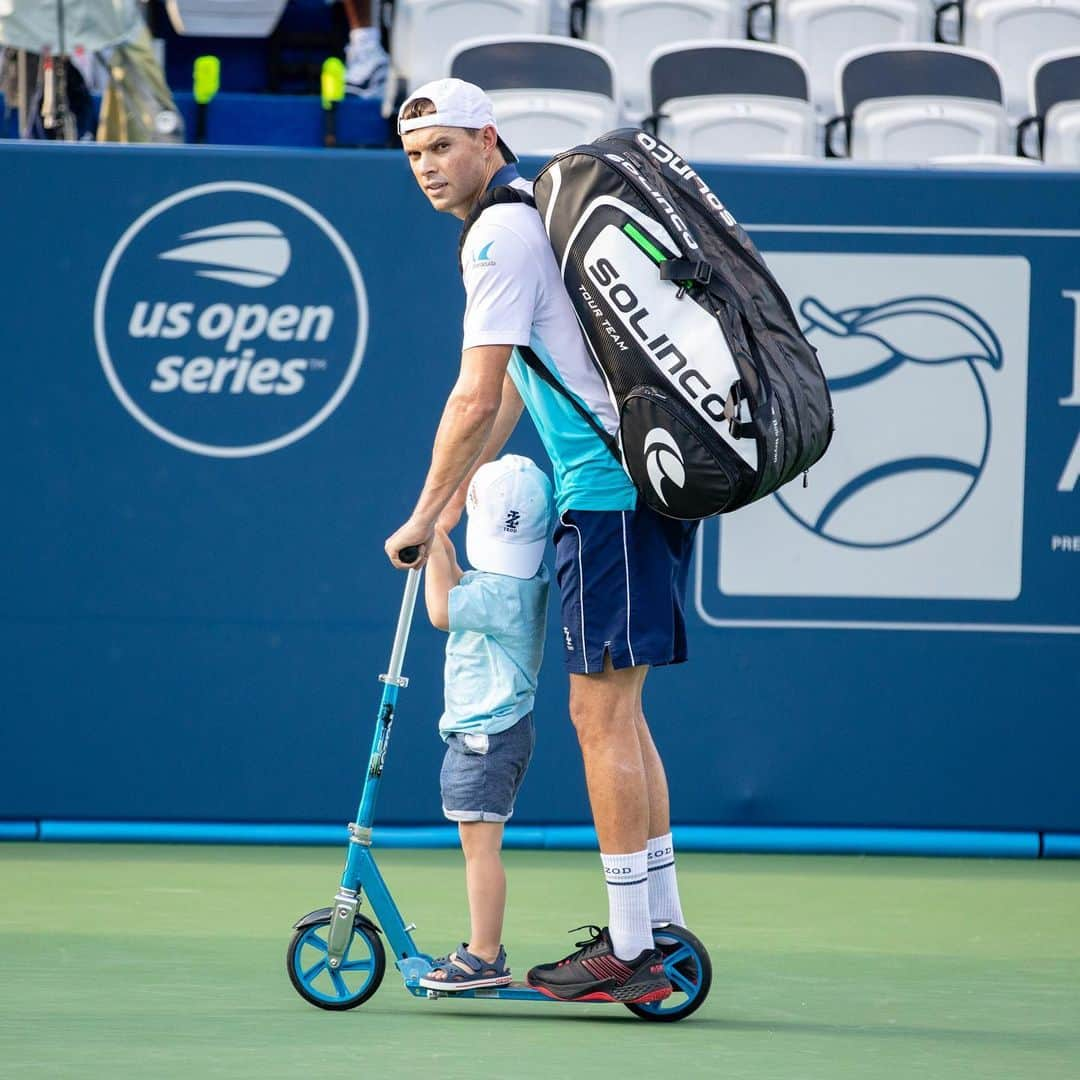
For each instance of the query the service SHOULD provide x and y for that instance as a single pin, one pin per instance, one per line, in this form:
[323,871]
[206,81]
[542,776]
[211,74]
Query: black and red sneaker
[595,973]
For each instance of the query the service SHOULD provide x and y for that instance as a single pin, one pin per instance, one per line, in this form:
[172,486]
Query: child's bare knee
[480,837]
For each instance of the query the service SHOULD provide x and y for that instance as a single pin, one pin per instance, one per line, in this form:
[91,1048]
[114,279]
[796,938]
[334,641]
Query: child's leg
[485,880]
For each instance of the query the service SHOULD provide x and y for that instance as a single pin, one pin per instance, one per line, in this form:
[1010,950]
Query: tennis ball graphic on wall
[914,424]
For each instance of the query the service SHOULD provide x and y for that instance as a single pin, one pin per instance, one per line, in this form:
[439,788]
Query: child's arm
[441,574]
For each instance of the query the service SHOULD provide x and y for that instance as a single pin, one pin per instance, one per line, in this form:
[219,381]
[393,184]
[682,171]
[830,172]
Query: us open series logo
[230,319]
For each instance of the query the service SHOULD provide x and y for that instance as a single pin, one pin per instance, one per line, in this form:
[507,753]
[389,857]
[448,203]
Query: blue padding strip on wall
[838,841]
[583,838]
[18,830]
[1023,845]
[1061,845]
[195,832]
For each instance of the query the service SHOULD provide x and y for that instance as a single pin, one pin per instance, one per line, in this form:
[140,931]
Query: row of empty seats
[723,100]
[687,65]
[1015,34]
[421,33]
[1011,32]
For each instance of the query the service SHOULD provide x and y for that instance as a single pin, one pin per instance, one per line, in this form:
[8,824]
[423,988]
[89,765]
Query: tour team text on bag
[721,398]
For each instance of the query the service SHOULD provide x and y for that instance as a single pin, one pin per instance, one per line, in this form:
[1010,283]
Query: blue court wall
[195,606]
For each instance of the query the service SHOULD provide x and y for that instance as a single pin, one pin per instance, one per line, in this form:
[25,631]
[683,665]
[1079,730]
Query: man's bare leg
[358,13]
[655,780]
[599,706]
[665,904]
[606,710]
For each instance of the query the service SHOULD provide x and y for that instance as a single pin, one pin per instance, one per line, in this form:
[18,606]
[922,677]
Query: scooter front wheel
[350,984]
[689,969]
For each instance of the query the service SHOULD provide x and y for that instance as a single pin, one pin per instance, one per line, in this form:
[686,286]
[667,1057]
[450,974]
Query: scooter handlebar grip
[409,554]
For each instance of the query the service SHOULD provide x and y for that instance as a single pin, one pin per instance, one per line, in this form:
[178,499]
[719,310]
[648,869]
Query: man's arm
[443,573]
[509,413]
[466,425]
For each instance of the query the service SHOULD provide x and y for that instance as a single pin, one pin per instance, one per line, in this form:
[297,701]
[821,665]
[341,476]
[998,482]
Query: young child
[496,616]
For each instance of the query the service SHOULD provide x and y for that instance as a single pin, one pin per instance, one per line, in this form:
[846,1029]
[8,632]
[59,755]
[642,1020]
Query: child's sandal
[463,971]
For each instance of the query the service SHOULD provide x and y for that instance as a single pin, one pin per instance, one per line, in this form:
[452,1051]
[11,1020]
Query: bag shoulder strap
[534,363]
[502,194]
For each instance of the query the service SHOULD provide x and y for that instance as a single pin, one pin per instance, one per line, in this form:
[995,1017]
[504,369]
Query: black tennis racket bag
[720,396]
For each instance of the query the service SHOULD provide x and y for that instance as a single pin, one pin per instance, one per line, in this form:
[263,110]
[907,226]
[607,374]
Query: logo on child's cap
[509,506]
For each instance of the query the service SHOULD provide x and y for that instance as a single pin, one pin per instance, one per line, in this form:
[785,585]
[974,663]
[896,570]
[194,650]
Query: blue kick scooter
[336,958]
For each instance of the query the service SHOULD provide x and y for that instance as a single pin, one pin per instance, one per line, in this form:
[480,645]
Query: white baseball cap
[457,104]
[509,504]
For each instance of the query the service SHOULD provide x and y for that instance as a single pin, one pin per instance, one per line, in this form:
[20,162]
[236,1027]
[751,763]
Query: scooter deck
[516,991]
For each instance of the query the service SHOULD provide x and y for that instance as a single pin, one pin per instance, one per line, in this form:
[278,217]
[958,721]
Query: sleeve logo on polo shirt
[482,256]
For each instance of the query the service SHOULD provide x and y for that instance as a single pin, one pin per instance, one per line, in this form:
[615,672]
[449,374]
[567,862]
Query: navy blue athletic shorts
[622,577]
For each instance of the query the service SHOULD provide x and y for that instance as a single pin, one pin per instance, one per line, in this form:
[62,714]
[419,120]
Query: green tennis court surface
[162,962]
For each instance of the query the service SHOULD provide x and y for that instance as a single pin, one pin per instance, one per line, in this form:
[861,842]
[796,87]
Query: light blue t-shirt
[494,651]
[587,476]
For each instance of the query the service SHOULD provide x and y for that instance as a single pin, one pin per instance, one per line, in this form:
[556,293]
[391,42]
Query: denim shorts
[481,774]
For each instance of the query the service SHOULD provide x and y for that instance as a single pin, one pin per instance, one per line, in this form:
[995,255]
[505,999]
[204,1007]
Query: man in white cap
[621,568]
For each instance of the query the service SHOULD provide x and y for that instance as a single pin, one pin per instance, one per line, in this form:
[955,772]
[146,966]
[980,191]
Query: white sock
[664,903]
[364,35]
[627,880]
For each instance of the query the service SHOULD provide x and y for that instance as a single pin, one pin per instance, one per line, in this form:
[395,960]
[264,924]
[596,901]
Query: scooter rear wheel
[353,982]
[688,967]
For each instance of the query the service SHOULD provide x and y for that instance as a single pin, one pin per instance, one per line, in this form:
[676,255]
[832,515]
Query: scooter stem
[392,682]
[348,896]
[401,637]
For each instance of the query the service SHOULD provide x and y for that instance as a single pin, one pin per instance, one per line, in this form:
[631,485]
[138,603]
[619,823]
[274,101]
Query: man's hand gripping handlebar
[414,539]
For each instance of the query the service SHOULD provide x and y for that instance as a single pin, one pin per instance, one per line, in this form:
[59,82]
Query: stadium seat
[822,31]
[1015,33]
[225,18]
[1061,140]
[423,32]
[914,104]
[549,93]
[630,29]
[721,100]
[1055,108]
